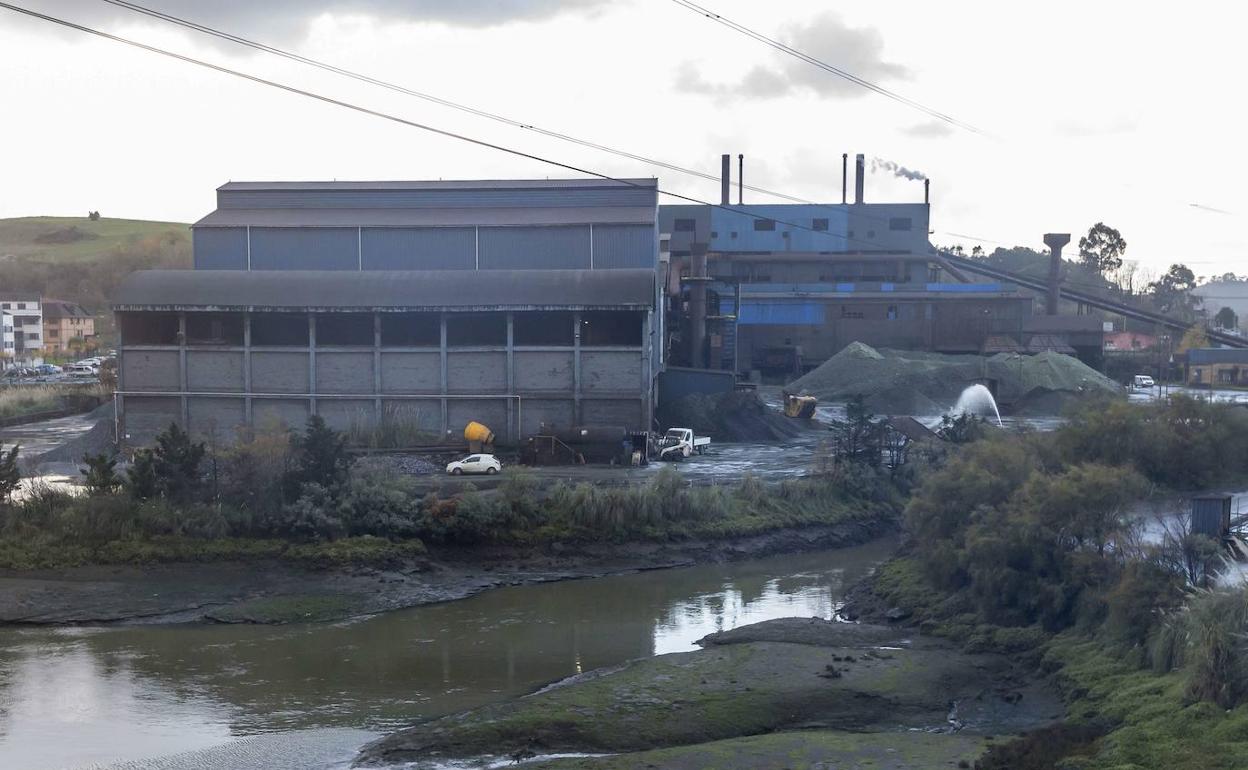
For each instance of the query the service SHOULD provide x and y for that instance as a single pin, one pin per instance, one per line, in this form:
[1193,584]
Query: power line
[405,121]
[477,111]
[784,48]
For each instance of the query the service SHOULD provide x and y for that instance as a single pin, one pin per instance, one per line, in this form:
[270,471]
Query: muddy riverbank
[756,696]
[273,592]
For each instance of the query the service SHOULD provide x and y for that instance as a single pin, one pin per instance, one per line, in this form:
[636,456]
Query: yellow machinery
[479,437]
[799,407]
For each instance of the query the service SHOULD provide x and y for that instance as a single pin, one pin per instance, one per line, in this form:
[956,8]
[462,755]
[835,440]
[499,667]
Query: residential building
[64,322]
[8,349]
[519,304]
[27,312]
[1217,367]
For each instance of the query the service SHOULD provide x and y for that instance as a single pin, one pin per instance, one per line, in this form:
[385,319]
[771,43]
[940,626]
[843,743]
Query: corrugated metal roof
[1206,356]
[431,217]
[59,308]
[438,184]
[384,289]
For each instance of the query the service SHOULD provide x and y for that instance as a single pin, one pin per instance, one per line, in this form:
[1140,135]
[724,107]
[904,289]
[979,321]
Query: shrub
[10,474]
[100,474]
[320,457]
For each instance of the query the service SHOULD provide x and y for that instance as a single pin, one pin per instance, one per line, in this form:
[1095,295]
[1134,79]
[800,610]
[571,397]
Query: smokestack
[725,179]
[927,191]
[740,179]
[1055,242]
[860,171]
[844,178]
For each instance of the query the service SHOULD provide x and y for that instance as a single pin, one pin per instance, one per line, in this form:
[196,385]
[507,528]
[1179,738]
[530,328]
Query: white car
[487,464]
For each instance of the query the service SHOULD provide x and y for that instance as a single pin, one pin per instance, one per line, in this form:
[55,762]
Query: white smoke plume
[896,169]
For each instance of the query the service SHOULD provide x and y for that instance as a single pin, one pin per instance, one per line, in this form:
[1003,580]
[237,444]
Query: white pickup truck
[679,443]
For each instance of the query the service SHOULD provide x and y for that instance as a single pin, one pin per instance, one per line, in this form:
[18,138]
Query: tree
[1194,337]
[177,459]
[320,458]
[1172,292]
[1102,248]
[10,474]
[1226,319]
[141,476]
[977,252]
[100,474]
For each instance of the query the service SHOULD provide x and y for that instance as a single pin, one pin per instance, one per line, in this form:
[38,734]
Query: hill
[79,239]
[77,259]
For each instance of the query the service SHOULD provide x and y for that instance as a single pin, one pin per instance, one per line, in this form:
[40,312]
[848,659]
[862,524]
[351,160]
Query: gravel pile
[740,416]
[916,382]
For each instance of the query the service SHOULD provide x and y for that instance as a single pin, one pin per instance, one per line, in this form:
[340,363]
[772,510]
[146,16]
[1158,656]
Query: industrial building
[519,304]
[786,286]
[1217,367]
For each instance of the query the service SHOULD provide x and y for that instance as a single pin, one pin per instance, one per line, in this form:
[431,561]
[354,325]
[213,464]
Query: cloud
[288,19]
[932,129]
[856,50]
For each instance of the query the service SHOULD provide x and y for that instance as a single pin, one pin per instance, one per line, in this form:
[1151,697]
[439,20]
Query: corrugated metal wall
[293,248]
[451,198]
[781,314]
[520,248]
[220,248]
[623,246]
[424,248]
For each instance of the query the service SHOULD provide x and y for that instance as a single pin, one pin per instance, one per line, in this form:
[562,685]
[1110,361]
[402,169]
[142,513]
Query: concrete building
[7,343]
[778,279]
[513,303]
[1217,367]
[27,312]
[64,322]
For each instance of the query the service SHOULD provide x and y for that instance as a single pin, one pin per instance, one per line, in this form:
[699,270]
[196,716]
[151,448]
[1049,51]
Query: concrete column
[442,376]
[247,412]
[312,363]
[576,368]
[182,378]
[377,367]
[511,379]
[1055,242]
[647,381]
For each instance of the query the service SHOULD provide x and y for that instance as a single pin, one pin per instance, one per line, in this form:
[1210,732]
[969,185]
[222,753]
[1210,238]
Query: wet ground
[39,437]
[102,696]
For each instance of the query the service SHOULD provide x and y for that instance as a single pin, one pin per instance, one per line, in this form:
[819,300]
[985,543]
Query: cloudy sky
[1123,112]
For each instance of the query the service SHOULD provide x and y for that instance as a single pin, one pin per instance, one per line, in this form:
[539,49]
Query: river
[308,696]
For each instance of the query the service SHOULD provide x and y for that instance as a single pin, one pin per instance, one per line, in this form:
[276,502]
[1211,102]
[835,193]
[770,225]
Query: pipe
[860,171]
[725,179]
[740,179]
[927,192]
[844,178]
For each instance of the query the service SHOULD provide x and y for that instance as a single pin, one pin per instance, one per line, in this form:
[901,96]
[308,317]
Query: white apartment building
[27,321]
[7,345]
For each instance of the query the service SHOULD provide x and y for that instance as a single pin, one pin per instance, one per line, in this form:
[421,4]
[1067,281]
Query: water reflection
[76,698]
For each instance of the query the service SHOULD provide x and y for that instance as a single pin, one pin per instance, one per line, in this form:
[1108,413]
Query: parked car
[45,369]
[487,464]
[1141,381]
[80,371]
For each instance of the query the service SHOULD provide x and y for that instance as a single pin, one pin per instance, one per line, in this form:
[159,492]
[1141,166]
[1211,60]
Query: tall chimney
[860,171]
[927,191]
[740,179]
[725,179]
[844,178]
[1055,242]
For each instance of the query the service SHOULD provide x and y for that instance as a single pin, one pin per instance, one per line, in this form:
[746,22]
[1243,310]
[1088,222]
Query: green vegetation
[1023,544]
[299,497]
[34,399]
[83,260]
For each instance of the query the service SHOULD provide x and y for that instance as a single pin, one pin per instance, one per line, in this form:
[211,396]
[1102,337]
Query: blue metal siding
[220,248]
[543,248]
[452,198]
[1208,356]
[314,248]
[423,248]
[780,314]
[617,246]
[724,223]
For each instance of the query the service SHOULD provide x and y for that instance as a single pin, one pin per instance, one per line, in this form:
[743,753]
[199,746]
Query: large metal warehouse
[514,303]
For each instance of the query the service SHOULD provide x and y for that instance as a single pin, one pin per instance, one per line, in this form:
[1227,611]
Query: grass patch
[18,401]
[79,239]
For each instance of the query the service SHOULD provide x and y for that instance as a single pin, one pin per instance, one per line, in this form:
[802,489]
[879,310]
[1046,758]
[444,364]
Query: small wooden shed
[1211,516]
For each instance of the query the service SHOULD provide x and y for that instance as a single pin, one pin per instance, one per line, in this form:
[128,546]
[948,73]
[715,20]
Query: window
[784,234]
[54,333]
[899,223]
[6,306]
[355,329]
[764,224]
[536,328]
[892,312]
[473,459]
[280,329]
[820,225]
[149,328]
[476,329]
[870,233]
[1226,375]
[611,328]
[411,330]
[214,329]
[732,234]
[684,225]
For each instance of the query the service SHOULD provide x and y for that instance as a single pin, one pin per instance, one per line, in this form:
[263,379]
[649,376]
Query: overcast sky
[1122,112]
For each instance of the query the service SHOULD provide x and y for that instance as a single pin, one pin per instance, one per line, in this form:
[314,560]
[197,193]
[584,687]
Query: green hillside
[78,239]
